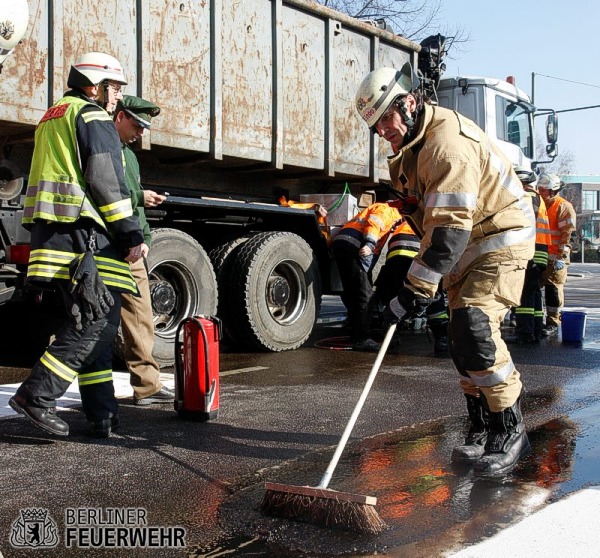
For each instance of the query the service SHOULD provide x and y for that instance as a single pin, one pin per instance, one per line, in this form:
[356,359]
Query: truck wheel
[182,284]
[273,292]
[219,255]
[222,257]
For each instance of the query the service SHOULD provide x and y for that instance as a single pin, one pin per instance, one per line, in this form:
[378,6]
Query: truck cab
[502,110]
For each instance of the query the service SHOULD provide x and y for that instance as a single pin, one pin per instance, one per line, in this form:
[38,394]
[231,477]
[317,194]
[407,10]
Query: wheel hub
[163,297]
[279,291]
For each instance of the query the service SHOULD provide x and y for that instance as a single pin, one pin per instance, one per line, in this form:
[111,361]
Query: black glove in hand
[406,304]
[91,299]
[393,313]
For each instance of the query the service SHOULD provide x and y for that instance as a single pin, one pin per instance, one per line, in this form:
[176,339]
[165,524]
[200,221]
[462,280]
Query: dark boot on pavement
[42,417]
[440,346]
[103,428]
[507,442]
[440,338]
[521,339]
[474,445]
[367,345]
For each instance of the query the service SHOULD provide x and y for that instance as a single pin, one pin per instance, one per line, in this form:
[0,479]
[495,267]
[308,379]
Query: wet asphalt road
[281,416]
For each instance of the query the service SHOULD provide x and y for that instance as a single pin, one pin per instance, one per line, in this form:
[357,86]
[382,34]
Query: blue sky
[553,38]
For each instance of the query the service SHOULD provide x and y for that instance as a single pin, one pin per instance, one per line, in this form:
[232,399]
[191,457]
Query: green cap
[139,109]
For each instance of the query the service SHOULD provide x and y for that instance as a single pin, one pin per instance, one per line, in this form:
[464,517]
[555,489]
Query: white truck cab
[503,111]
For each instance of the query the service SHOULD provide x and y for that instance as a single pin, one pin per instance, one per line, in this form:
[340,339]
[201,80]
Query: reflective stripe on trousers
[86,354]
[478,303]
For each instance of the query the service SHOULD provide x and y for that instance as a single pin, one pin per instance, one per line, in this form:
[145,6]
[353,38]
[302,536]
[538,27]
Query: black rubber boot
[440,347]
[474,445]
[42,417]
[440,338]
[103,428]
[507,442]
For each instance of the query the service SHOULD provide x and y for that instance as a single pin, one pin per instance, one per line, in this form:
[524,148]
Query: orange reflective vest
[561,217]
[543,237]
[369,225]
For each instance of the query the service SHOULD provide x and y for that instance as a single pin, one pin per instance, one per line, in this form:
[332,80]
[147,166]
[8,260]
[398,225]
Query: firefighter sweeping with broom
[478,233]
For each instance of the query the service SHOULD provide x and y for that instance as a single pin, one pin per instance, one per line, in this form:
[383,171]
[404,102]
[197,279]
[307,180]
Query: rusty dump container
[268,83]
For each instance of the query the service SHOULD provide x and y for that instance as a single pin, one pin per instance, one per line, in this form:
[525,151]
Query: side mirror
[552,129]
[552,151]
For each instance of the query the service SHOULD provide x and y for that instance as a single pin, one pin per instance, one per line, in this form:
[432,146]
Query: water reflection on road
[430,506]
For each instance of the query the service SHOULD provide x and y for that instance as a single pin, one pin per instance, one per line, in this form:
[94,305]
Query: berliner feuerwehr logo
[34,529]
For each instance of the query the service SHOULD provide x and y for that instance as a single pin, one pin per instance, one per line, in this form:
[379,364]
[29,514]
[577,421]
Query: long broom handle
[358,407]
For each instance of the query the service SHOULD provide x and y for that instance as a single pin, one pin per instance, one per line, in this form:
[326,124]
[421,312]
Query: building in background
[584,193]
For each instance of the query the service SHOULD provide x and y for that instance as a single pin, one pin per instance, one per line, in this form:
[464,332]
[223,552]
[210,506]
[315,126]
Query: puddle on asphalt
[429,506]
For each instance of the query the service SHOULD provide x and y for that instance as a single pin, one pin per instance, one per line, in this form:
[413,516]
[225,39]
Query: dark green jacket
[132,179]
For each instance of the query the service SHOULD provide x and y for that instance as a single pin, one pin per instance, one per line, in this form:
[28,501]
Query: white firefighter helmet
[381,88]
[525,175]
[14,17]
[93,68]
[549,181]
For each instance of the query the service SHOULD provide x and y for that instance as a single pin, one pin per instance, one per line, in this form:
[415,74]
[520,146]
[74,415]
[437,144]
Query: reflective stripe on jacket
[57,189]
[76,186]
[403,242]
[53,265]
[561,217]
[470,201]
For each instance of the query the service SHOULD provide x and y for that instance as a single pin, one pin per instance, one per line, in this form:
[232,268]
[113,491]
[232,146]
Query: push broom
[321,505]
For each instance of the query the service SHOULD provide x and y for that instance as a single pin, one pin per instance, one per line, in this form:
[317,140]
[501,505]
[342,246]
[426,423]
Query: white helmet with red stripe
[381,88]
[14,17]
[93,68]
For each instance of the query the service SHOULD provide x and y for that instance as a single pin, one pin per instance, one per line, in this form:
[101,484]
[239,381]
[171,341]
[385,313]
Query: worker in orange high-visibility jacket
[354,253]
[530,314]
[402,246]
[562,219]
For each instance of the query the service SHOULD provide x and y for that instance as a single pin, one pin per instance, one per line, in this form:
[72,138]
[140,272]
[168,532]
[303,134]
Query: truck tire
[182,284]
[222,257]
[273,292]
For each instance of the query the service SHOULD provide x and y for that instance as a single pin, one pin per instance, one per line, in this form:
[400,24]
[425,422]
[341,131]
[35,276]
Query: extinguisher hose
[178,367]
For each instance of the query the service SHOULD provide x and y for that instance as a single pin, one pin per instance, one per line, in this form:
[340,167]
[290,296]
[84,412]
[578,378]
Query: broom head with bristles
[324,507]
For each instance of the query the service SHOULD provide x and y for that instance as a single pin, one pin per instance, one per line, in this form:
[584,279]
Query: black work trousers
[530,314]
[85,354]
[357,289]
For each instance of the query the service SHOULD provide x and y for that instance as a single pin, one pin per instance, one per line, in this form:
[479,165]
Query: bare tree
[565,162]
[413,19]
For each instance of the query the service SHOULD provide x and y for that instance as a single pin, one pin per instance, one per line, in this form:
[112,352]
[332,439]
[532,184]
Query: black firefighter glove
[91,300]
[406,305]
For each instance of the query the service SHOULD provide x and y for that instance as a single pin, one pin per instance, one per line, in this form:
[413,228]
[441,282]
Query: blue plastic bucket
[572,325]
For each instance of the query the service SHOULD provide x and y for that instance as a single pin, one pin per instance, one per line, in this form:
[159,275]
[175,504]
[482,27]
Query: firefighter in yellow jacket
[83,234]
[477,231]
[530,314]
[562,218]
[354,252]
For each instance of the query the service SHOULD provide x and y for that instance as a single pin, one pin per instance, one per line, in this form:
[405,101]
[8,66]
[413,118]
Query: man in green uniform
[132,116]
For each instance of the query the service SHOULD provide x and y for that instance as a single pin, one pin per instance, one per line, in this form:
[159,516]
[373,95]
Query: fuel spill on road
[430,506]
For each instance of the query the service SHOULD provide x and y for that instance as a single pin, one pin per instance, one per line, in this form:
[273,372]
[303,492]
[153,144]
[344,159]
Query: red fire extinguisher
[197,368]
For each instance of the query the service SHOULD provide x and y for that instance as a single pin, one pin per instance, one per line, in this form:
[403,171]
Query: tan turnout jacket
[471,203]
